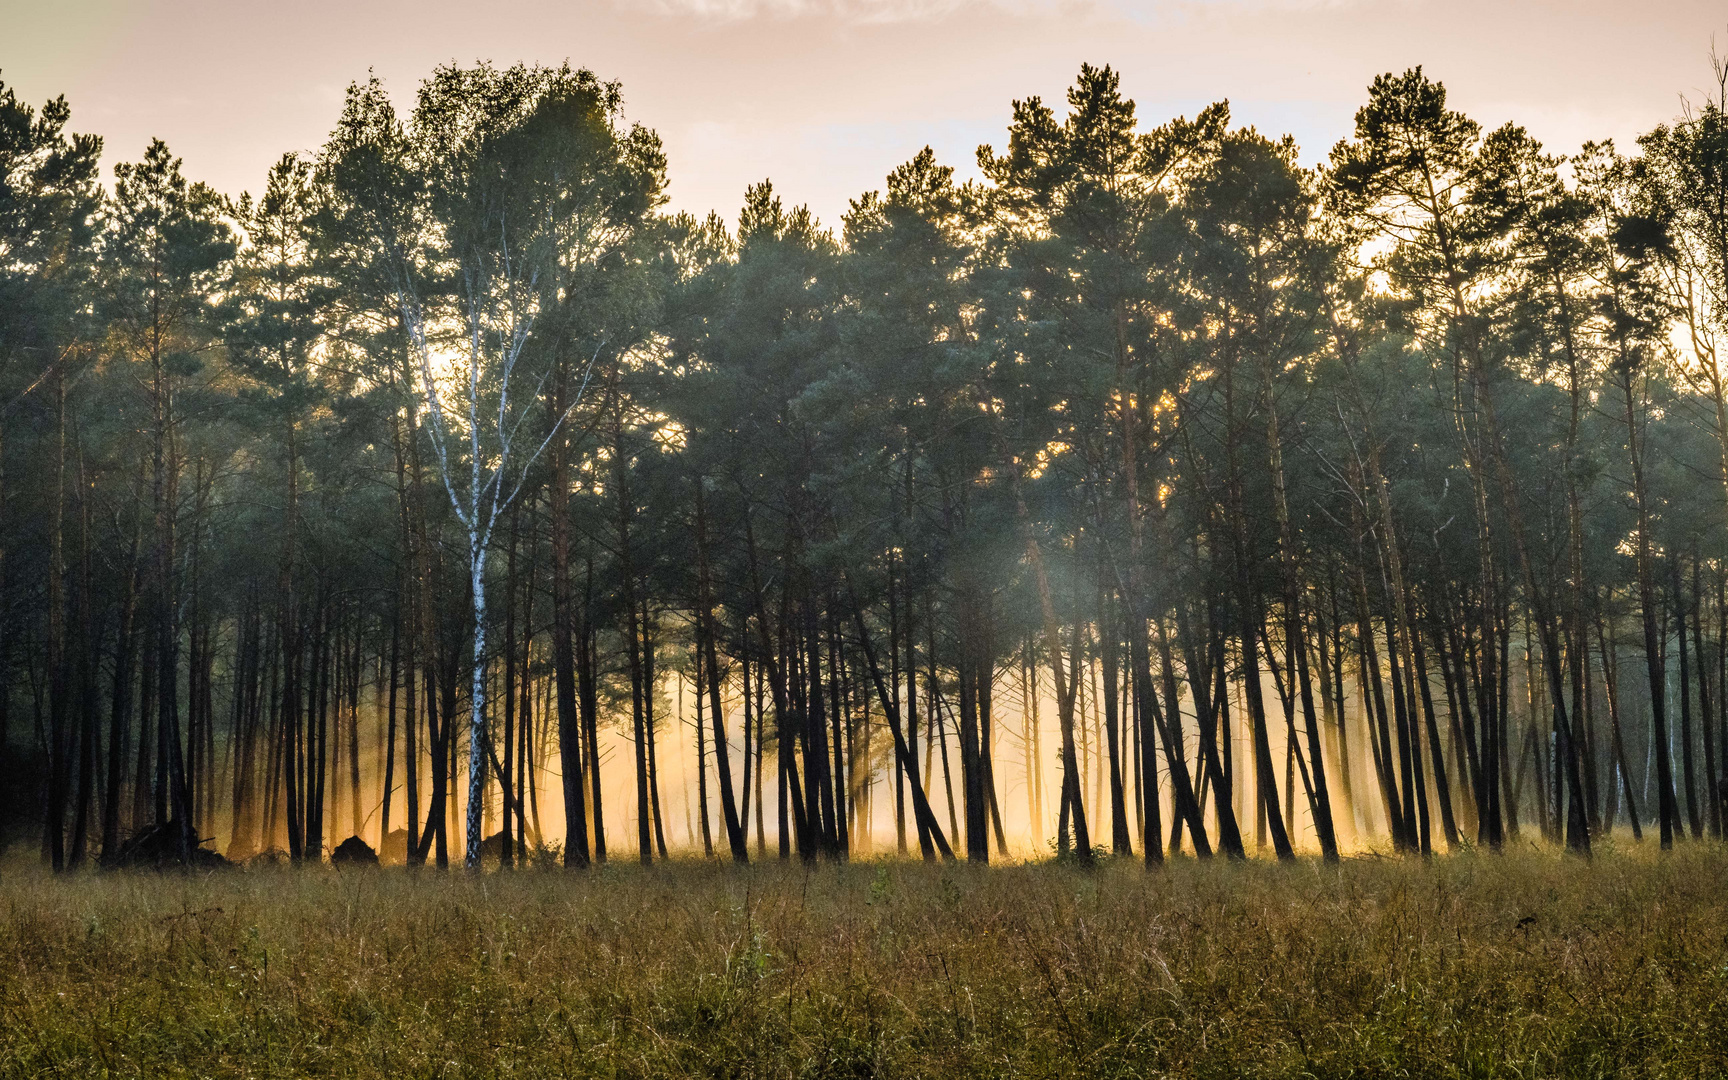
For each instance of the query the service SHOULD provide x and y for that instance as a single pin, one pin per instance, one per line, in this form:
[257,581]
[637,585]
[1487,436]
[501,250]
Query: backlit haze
[825,96]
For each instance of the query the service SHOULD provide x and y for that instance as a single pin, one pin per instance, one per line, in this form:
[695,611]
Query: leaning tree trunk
[1064,693]
[722,751]
[1295,633]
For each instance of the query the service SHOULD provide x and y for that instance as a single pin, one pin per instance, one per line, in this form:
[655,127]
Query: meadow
[1530,963]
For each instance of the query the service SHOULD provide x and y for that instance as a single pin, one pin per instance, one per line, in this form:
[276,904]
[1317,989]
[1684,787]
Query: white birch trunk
[477,700]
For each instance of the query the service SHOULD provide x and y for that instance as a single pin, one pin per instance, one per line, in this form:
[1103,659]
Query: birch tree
[486,252]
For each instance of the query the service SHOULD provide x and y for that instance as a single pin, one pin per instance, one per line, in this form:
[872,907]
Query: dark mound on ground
[162,845]
[354,852]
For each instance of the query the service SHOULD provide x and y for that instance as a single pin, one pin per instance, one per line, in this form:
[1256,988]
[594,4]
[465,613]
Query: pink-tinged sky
[825,96]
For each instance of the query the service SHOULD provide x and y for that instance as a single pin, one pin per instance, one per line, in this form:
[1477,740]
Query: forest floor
[1526,964]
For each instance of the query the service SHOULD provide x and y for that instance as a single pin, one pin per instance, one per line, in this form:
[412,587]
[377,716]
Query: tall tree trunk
[59,654]
[570,757]
[1121,842]
[1295,633]
[1436,762]
[588,685]
[1668,812]
[388,786]
[930,836]
[1611,679]
[1706,715]
[649,681]
[1064,692]
[120,714]
[722,750]
[633,653]
[1687,769]
[971,763]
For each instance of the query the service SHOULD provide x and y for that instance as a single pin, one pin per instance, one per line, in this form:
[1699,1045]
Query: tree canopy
[1271,507]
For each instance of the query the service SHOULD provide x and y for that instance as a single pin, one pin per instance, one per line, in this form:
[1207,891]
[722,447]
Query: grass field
[1527,964]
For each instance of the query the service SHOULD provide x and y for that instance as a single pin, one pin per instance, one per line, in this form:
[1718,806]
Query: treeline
[451,477]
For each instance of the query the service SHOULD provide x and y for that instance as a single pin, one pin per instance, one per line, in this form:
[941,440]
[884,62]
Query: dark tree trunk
[1121,841]
[570,724]
[1687,770]
[1706,716]
[735,837]
[120,713]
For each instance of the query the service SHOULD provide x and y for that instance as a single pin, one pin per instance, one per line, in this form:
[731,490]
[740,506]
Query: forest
[1151,496]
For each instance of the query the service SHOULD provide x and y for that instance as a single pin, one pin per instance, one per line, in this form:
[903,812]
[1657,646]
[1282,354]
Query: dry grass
[1528,964]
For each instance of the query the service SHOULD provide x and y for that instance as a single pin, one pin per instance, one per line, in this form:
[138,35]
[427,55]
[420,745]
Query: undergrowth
[1517,965]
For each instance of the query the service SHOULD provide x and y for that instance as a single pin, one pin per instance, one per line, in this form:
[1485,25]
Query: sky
[824,97]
